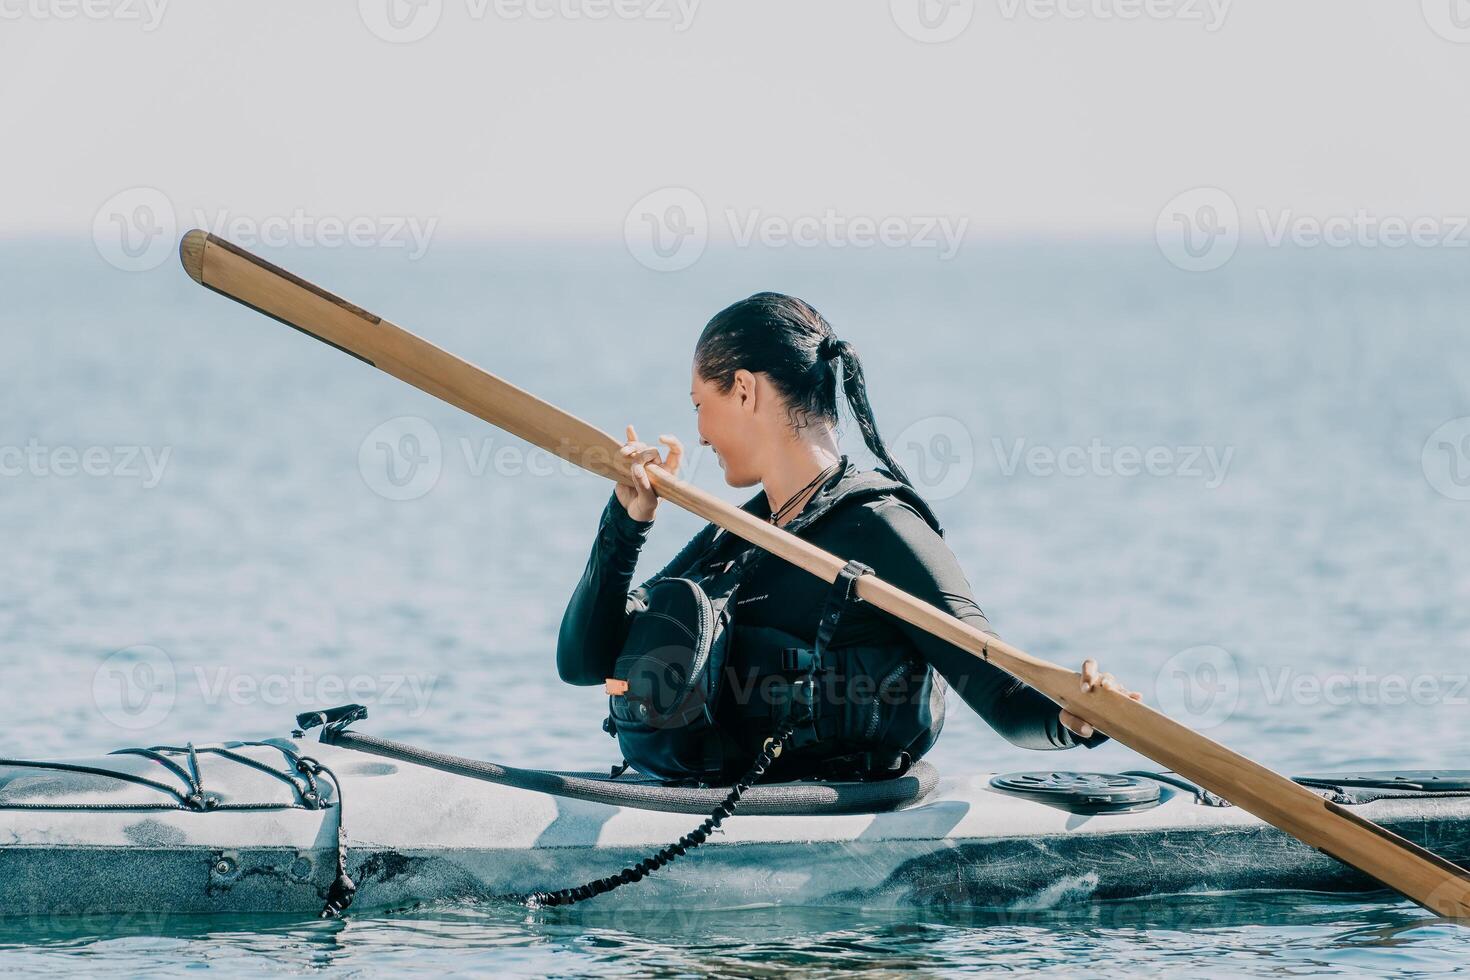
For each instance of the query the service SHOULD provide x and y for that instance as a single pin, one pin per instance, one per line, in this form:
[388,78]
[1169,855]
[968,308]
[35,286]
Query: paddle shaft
[1413,871]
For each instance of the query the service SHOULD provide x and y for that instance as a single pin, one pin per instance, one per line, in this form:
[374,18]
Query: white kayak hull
[416,834]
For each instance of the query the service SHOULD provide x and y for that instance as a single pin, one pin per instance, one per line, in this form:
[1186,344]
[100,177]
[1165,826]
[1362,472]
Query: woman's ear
[744,389]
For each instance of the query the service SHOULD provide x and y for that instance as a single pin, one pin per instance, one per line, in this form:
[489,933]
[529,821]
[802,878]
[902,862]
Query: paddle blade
[247,279]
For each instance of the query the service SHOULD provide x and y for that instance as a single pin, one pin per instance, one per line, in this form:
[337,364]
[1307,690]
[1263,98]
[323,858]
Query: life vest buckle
[796,660]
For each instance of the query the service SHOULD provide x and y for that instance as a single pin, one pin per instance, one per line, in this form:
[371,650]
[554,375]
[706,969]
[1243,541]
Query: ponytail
[854,385]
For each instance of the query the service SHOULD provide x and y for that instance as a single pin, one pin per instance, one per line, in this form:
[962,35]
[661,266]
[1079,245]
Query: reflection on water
[1256,934]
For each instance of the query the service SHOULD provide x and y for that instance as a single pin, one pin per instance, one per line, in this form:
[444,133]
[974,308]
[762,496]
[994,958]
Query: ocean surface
[1246,492]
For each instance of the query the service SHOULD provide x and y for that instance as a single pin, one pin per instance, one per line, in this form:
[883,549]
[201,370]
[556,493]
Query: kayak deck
[418,833]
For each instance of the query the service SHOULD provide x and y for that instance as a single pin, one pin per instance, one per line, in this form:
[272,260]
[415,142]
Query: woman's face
[733,423]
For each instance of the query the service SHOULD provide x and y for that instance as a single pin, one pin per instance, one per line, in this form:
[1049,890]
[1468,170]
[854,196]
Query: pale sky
[498,123]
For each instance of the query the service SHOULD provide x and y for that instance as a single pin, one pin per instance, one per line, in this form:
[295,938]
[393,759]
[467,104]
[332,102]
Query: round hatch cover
[1081,792]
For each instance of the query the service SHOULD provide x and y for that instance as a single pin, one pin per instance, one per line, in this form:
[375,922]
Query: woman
[766,376]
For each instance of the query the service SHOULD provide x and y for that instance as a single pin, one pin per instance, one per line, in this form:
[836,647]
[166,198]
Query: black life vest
[695,693]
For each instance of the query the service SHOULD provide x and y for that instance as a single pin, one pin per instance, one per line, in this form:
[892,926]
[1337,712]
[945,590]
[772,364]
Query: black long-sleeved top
[886,534]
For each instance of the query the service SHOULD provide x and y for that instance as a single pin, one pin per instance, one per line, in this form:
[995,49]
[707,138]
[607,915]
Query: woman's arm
[595,624]
[906,552]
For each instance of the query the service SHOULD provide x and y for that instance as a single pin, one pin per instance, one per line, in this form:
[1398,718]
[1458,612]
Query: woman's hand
[1092,679]
[640,501]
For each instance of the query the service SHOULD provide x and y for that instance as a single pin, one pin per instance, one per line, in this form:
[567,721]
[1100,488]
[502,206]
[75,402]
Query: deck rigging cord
[301,772]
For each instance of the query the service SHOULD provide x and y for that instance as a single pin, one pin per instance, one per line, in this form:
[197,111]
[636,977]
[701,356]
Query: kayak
[266,826]
[1415,872]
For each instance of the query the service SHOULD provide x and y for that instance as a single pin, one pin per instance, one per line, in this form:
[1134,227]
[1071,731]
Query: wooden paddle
[1419,874]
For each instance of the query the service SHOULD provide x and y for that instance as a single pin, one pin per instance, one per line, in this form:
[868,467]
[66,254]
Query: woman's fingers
[1093,679]
[640,455]
[1076,725]
[676,453]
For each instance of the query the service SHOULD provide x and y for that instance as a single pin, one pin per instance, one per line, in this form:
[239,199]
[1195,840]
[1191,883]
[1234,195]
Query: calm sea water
[1241,491]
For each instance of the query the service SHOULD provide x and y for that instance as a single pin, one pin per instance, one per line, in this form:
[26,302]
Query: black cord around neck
[786,508]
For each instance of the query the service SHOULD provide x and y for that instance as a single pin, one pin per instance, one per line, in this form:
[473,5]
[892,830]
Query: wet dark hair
[792,344]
